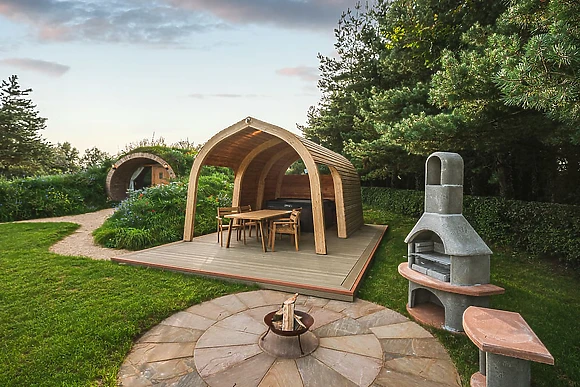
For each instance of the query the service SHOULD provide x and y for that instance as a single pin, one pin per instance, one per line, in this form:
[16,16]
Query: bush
[542,229]
[180,160]
[55,195]
[156,215]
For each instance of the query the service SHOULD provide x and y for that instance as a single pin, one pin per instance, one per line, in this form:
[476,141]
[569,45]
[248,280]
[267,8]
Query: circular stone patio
[217,343]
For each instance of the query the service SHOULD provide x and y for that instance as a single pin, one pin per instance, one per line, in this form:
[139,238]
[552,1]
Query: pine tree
[544,71]
[21,145]
[380,81]
[497,81]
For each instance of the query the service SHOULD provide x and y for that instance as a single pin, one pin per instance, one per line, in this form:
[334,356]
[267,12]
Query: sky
[108,73]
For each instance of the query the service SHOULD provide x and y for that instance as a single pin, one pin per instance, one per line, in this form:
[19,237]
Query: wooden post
[339,201]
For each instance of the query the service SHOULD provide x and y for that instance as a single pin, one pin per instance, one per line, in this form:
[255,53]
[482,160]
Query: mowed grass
[546,296]
[70,321]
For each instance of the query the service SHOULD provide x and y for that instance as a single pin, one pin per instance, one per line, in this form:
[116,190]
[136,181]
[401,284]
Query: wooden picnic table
[259,216]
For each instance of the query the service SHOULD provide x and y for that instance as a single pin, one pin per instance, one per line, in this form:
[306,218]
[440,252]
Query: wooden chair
[221,226]
[249,224]
[289,225]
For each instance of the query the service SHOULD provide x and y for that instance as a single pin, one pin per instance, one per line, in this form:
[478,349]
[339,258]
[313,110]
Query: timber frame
[259,154]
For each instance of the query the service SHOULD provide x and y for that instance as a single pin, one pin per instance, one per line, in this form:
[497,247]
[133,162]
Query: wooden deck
[336,275]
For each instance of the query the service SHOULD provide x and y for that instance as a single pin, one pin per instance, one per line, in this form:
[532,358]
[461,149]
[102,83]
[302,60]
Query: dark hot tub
[306,223]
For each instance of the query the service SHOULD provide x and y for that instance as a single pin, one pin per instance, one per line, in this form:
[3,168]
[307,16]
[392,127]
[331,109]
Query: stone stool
[506,345]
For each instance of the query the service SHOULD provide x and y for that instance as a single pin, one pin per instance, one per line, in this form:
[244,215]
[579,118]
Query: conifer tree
[22,148]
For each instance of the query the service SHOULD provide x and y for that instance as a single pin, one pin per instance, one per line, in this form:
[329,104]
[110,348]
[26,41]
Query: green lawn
[71,321]
[547,297]
[67,321]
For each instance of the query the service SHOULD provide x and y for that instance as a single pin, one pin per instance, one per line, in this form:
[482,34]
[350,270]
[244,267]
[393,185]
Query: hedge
[68,194]
[542,229]
[55,195]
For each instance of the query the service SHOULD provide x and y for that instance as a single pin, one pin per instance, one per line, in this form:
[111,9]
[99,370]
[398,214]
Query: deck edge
[342,292]
[370,258]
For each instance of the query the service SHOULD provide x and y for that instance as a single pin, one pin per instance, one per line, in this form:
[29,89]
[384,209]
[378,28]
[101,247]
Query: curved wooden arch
[281,174]
[252,148]
[265,172]
[123,168]
[244,165]
[339,201]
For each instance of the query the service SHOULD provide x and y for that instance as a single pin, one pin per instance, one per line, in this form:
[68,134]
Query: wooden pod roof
[260,153]
[119,175]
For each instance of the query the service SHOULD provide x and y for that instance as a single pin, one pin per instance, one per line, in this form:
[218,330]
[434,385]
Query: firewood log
[288,317]
[299,321]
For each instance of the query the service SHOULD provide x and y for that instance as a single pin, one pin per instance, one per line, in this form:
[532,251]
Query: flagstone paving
[221,343]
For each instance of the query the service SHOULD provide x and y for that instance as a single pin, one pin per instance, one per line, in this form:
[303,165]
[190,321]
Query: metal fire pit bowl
[307,320]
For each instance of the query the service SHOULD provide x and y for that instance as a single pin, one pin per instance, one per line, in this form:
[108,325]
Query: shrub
[156,215]
[542,229]
[55,195]
[180,160]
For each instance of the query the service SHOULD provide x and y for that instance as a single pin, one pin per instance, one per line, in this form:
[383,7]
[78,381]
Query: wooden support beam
[266,170]
[241,170]
[188,230]
[339,202]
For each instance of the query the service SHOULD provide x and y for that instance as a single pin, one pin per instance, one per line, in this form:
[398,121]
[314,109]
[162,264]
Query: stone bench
[506,345]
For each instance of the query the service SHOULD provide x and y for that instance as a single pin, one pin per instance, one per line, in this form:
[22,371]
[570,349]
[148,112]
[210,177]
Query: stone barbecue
[448,264]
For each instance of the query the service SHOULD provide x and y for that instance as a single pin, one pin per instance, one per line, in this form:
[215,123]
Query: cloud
[134,21]
[223,95]
[48,68]
[301,14]
[306,73]
[164,22]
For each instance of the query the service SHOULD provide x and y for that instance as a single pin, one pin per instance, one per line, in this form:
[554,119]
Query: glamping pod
[260,154]
[135,171]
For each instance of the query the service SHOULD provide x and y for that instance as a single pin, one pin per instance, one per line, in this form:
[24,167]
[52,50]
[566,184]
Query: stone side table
[506,345]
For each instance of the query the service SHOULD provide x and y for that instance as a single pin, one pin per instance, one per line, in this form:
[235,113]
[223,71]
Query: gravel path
[80,243]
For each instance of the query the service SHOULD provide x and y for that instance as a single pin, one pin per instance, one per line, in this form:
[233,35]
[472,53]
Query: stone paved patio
[217,344]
